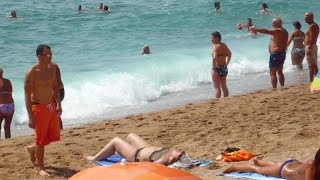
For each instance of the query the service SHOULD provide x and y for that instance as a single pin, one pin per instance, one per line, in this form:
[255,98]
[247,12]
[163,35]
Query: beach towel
[110,160]
[195,162]
[250,176]
[315,85]
[239,155]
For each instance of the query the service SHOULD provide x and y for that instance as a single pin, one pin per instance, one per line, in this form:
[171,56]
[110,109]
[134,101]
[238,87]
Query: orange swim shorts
[47,128]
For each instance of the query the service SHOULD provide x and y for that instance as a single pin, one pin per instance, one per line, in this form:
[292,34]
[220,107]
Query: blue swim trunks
[277,58]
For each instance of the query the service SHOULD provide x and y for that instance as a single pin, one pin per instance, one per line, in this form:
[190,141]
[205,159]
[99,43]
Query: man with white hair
[310,43]
[277,49]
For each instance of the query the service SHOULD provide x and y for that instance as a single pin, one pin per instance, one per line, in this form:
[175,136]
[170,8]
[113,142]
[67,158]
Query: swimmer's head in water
[264,5]
[13,14]
[105,8]
[217,5]
[146,49]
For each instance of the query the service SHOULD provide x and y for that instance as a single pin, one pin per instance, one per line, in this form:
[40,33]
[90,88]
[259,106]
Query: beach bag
[315,85]
[237,155]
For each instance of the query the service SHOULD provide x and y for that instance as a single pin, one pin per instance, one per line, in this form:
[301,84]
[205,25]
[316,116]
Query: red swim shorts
[47,128]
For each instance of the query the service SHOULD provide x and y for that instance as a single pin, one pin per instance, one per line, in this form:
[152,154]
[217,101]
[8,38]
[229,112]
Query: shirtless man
[221,57]
[290,169]
[39,84]
[277,49]
[310,42]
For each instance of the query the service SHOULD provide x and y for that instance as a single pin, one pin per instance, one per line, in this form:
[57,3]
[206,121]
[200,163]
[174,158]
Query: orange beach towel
[240,155]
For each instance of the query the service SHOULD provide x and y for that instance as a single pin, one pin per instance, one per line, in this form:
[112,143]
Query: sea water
[99,53]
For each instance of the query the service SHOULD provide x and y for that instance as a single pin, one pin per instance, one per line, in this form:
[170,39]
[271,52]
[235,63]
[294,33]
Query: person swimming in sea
[247,25]
[145,50]
[263,8]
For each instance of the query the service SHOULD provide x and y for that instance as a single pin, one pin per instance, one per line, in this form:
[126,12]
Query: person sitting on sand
[145,50]
[290,169]
[135,149]
[263,8]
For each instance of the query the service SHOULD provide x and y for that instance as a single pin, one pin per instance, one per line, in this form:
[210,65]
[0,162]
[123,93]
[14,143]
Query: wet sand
[274,124]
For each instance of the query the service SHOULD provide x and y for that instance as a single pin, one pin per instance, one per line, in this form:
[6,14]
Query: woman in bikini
[290,169]
[6,104]
[298,52]
[135,149]
[221,57]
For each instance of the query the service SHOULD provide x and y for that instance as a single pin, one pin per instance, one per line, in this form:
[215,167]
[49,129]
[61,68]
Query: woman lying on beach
[290,169]
[135,149]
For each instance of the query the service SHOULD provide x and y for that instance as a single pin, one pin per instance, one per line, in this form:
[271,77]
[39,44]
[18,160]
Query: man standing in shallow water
[277,49]
[39,84]
[310,42]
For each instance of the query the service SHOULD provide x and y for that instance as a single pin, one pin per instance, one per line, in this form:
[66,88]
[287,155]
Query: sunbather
[135,149]
[290,169]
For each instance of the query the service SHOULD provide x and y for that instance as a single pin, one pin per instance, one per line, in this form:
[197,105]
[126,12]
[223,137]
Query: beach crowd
[44,92]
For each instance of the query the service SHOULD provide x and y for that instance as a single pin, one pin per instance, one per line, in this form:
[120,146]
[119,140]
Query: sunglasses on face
[48,55]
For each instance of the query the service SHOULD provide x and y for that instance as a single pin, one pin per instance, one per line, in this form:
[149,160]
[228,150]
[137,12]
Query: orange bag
[240,155]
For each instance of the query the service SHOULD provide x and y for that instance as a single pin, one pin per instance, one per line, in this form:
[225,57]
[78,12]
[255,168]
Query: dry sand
[276,124]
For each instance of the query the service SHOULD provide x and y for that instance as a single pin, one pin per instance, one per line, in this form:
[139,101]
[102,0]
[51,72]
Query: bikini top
[158,154]
[298,37]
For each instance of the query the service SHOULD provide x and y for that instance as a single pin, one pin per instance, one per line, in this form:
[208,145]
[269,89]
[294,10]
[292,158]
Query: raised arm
[264,31]
[28,87]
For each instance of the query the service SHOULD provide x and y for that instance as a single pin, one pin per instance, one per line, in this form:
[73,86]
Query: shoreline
[265,122]
[171,100]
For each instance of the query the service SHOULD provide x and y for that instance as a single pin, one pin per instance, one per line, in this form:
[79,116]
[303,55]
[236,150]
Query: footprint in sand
[6,154]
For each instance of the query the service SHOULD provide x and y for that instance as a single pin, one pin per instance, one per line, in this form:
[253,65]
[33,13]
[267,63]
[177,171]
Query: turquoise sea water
[99,53]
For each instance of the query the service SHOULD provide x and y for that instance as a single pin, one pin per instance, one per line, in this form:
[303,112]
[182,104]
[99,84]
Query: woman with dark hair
[263,8]
[298,48]
[6,104]
[290,169]
[221,57]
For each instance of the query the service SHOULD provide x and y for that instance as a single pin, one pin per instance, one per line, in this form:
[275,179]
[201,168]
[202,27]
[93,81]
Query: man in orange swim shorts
[39,84]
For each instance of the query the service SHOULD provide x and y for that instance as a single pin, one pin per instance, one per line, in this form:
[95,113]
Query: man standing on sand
[310,42]
[277,49]
[39,84]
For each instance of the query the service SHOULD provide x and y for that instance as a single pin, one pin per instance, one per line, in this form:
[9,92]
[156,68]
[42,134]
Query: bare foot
[43,173]
[256,161]
[32,153]
[230,169]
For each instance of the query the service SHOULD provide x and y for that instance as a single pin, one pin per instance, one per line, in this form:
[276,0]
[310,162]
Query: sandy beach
[274,124]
